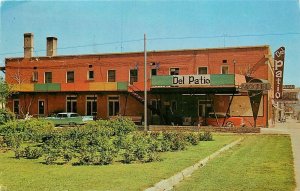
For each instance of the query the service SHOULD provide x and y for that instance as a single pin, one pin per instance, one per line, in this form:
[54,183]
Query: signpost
[188,80]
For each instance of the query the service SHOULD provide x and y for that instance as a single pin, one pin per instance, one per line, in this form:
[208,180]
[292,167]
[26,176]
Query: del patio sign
[190,80]
[278,71]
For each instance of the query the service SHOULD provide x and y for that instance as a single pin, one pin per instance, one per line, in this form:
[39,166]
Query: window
[111,75]
[41,107]
[90,75]
[48,77]
[224,61]
[202,70]
[35,76]
[225,69]
[155,104]
[153,72]
[113,105]
[72,103]
[174,71]
[91,105]
[62,115]
[70,77]
[133,76]
[16,107]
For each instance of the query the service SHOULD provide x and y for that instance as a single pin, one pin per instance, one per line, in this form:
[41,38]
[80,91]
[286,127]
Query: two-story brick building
[181,83]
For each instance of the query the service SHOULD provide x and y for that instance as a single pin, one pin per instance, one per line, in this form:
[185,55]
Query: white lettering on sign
[186,80]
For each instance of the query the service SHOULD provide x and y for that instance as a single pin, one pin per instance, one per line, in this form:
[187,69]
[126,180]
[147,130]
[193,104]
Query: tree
[4,92]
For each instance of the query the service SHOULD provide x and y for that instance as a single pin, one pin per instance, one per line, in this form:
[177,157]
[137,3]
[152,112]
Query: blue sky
[86,27]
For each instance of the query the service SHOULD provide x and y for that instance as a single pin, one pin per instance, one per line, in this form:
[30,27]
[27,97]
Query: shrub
[32,153]
[192,138]
[206,136]
[6,115]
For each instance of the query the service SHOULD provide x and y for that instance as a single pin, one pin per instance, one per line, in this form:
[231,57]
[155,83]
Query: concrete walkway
[291,127]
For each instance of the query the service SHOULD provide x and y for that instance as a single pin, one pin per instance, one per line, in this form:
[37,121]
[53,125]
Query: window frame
[202,67]
[225,66]
[170,72]
[93,99]
[108,76]
[89,76]
[71,101]
[46,78]
[70,81]
[114,101]
[132,77]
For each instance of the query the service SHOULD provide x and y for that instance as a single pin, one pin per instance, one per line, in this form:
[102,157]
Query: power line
[166,38]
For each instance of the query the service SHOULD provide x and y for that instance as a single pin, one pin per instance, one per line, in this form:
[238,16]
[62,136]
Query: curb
[168,184]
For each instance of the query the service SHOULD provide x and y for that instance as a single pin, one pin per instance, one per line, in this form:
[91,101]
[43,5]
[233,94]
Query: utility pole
[145,85]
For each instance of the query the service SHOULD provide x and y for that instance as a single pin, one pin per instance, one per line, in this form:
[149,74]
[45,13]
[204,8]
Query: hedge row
[96,143]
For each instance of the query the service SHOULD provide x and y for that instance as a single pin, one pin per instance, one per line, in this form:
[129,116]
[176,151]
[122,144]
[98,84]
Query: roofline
[130,53]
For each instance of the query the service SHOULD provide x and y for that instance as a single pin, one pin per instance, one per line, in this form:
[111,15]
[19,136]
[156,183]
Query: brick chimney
[28,45]
[51,46]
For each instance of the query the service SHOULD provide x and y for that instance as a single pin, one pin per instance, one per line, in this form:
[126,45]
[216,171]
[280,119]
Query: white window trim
[86,100]
[88,75]
[202,67]
[67,100]
[107,103]
[67,76]
[222,68]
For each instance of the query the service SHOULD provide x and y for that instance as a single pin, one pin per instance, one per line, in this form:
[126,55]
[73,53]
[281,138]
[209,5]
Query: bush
[6,115]
[33,153]
[192,138]
[206,136]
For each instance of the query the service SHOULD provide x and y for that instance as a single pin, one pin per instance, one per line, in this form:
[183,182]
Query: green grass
[32,175]
[259,163]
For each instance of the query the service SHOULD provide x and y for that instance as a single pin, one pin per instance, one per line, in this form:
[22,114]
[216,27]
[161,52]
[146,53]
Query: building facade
[181,84]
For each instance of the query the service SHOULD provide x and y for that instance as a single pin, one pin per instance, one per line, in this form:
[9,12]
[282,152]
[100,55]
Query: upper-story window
[133,76]
[48,77]
[153,71]
[111,75]
[90,74]
[224,70]
[174,71]
[35,76]
[224,61]
[70,77]
[202,70]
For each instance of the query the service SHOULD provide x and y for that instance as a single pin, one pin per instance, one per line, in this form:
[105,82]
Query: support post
[145,85]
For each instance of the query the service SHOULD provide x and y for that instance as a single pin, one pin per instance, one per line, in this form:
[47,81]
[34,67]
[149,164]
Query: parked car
[217,119]
[68,118]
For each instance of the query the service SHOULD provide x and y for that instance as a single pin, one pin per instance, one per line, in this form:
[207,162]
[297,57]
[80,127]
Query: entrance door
[41,106]
[201,110]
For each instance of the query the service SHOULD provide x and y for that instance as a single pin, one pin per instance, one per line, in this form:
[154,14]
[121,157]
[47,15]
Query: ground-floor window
[113,105]
[41,107]
[72,103]
[16,106]
[91,105]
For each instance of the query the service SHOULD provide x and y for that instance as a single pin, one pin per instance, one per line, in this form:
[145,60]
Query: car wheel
[229,124]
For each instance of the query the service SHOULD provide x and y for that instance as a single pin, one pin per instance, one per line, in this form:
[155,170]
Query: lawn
[259,163]
[32,175]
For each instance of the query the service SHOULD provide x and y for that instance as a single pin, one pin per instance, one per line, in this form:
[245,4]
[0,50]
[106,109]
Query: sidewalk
[292,128]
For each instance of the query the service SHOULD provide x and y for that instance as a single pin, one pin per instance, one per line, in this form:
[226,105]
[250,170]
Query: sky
[88,27]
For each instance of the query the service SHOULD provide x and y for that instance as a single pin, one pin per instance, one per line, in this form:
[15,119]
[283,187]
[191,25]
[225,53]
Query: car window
[62,115]
[74,115]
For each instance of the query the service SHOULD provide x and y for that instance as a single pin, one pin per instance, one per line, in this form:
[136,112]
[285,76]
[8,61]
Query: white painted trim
[107,103]
[39,105]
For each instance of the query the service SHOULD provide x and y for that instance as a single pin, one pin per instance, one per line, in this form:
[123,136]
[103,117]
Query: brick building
[181,83]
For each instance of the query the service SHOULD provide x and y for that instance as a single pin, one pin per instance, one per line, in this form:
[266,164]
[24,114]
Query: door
[41,107]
